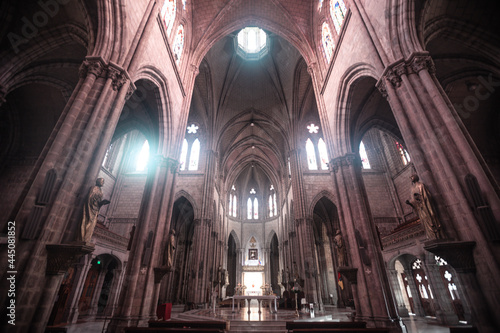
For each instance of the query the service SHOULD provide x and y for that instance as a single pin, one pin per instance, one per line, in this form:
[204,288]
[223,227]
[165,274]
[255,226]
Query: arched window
[274,204]
[405,157]
[327,40]
[249,208]
[271,211]
[184,152]
[255,209]
[230,204]
[311,155]
[323,154]
[363,156]
[143,157]
[184,4]
[195,155]
[168,14]
[338,12]
[179,44]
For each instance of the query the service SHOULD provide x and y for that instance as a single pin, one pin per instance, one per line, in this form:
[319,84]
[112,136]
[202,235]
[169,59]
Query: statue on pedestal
[91,208]
[341,250]
[420,201]
[170,249]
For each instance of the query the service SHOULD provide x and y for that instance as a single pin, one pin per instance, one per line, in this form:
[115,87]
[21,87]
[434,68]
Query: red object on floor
[164,311]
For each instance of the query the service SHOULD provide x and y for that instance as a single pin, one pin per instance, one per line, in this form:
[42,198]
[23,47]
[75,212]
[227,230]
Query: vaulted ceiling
[250,110]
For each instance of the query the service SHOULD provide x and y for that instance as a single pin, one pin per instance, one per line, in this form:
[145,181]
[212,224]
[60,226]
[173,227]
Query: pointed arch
[269,238]
[191,200]
[236,239]
[318,197]
[342,143]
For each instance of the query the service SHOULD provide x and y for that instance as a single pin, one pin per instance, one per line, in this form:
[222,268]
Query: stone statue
[221,275]
[169,255]
[341,250]
[420,201]
[91,210]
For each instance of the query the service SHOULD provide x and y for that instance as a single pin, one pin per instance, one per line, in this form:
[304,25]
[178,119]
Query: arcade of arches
[272,140]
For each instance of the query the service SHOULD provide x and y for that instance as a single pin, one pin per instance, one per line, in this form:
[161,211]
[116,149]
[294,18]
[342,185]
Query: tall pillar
[373,298]
[417,304]
[398,294]
[443,155]
[81,271]
[74,152]
[137,299]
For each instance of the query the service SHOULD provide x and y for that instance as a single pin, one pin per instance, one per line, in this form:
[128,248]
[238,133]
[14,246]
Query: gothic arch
[402,28]
[349,80]
[159,84]
[47,41]
[215,33]
[236,239]
[190,199]
[317,198]
[269,238]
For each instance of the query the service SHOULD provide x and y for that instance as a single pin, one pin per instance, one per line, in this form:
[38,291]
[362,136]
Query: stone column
[73,152]
[115,288]
[417,304]
[375,303]
[137,299]
[443,155]
[97,293]
[81,270]
[398,293]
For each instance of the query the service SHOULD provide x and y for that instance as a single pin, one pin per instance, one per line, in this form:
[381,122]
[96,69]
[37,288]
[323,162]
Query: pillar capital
[92,65]
[118,75]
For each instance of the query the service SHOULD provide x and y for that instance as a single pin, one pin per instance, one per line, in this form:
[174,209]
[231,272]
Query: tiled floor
[413,324]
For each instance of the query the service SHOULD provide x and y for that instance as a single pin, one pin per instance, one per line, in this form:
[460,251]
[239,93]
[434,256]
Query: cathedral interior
[346,149]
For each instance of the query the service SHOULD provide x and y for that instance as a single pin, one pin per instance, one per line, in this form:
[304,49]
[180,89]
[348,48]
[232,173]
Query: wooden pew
[292,326]
[171,330]
[344,330]
[213,324]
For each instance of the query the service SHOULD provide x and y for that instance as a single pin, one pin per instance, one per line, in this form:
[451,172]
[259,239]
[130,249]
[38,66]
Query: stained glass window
[230,204]
[271,211]
[255,209]
[323,154]
[274,204]
[195,155]
[168,14]
[404,154]
[326,38]
[249,209]
[184,152]
[235,204]
[179,43]
[311,155]
[364,156]
[338,12]
[184,4]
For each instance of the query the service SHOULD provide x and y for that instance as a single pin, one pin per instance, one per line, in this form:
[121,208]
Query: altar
[259,300]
